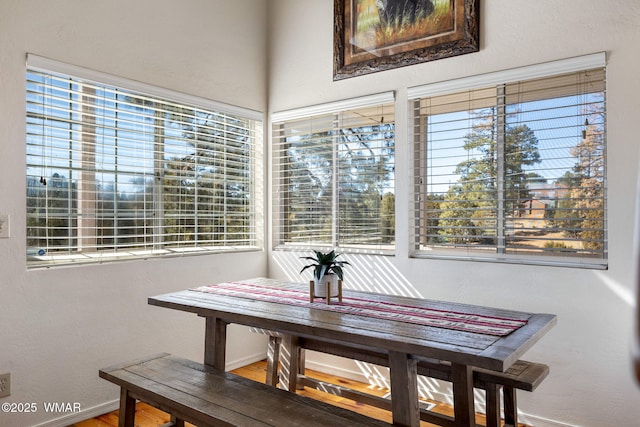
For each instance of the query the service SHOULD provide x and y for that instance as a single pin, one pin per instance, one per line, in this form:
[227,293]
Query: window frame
[498,80]
[253,161]
[322,111]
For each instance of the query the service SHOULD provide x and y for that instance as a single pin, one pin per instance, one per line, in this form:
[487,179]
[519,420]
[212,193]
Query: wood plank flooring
[147,416]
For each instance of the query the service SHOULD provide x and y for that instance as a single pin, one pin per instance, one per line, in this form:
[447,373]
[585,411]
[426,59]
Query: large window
[114,172]
[513,170]
[334,171]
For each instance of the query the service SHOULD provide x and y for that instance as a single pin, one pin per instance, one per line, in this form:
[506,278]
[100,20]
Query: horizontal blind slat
[549,135]
[110,171]
[331,174]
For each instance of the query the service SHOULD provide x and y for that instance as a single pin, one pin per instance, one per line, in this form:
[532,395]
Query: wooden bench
[205,396]
[522,375]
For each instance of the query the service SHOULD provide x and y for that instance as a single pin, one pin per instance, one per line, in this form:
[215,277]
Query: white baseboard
[536,421]
[359,376]
[82,415]
[85,414]
[239,363]
[432,393]
[437,395]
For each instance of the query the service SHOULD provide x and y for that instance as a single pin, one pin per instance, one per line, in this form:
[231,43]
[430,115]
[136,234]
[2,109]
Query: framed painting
[377,35]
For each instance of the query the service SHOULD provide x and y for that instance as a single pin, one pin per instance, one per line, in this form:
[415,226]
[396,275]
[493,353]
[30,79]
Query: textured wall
[59,326]
[589,350]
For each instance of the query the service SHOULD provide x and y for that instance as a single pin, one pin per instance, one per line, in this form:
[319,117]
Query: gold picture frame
[378,35]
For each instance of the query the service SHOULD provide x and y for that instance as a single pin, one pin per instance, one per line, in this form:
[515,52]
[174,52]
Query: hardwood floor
[147,416]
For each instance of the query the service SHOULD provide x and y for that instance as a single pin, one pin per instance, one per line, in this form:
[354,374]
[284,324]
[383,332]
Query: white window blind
[114,173]
[513,172]
[334,177]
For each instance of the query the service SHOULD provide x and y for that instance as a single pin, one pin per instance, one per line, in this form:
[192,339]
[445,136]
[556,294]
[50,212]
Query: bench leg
[273,358]
[127,409]
[493,405]
[301,361]
[175,422]
[510,406]
[290,363]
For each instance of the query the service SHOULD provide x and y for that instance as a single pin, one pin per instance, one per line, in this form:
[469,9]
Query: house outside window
[511,168]
[334,168]
[124,170]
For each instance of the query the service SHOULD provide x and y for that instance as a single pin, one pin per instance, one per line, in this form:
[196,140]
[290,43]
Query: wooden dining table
[403,328]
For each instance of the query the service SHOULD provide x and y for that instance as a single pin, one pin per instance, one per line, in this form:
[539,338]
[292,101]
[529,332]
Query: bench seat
[206,396]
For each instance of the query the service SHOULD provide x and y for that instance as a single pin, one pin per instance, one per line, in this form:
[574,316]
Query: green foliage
[388,218]
[581,213]
[325,263]
[48,221]
[560,245]
[204,194]
[468,211]
[557,247]
[433,206]
[361,160]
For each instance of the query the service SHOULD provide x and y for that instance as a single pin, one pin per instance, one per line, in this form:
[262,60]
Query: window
[126,170]
[513,169]
[334,175]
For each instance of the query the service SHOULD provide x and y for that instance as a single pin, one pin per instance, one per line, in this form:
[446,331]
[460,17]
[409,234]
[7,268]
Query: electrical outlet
[5,385]
[4,226]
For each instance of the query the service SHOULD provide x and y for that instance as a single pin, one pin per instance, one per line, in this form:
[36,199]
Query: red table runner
[468,322]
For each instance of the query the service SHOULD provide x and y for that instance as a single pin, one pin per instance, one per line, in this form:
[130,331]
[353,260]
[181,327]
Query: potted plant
[327,275]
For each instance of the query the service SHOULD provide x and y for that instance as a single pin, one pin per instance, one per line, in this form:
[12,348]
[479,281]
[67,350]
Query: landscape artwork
[376,35]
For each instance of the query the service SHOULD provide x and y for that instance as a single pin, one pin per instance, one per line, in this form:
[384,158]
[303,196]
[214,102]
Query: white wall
[589,350]
[59,326]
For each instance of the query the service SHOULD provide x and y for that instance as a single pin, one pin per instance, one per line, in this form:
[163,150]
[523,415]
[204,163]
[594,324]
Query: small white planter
[329,287]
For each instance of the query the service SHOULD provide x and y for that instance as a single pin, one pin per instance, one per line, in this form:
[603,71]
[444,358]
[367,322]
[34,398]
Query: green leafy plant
[325,263]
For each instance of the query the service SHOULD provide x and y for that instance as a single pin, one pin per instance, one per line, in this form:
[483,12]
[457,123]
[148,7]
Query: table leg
[215,342]
[289,362]
[493,405]
[403,371]
[273,358]
[127,409]
[463,402]
[510,406]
